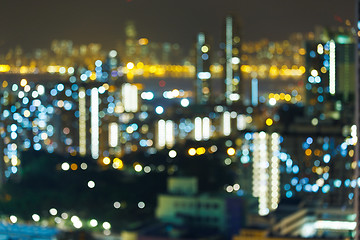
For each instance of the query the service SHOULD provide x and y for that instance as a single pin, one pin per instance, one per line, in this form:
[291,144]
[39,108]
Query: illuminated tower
[266,171]
[202,70]
[330,74]
[232,61]
[131,42]
[317,77]
[95,123]
[357,120]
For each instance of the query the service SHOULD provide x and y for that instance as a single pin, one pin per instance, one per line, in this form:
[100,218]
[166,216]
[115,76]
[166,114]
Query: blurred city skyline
[35,24]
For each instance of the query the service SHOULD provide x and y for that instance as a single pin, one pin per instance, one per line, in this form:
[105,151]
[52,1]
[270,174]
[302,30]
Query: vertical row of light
[161,133]
[198,129]
[254,92]
[206,128]
[241,122]
[264,177]
[228,47]
[169,133]
[227,123]
[95,123]
[199,67]
[332,71]
[130,97]
[82,122]
[260,174]
[256,166]
[113,134]
[274,193]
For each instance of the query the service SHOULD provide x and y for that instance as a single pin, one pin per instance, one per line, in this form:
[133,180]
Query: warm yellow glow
[200,150]
[4,68]
[192,151]
[93,76]
[106,160]
[73,166]
[231,151]
[23,82]
[302,51]
[143,41]
[140,65]
[269,122]
[118,163]
[204,49]
[130,65]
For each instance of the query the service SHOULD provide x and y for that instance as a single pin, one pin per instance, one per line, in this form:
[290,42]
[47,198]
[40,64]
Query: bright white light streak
[82,122]
[130,97]
[113,134]
[169,133]
[241,122]
[332,71]
[226,124]
[161,134]
[95,123]
[335,225]
[206,125]
[198,129]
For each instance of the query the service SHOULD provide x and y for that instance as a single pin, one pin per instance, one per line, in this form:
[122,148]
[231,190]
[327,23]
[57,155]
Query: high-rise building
[202,69]
[266,171]
[330,64]
[232,61]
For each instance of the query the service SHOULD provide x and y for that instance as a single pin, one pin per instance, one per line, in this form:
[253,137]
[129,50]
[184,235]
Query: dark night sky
[35,23]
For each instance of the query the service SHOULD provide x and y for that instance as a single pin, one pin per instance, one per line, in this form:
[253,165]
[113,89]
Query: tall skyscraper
[232,61]
[202,69]
[357,120]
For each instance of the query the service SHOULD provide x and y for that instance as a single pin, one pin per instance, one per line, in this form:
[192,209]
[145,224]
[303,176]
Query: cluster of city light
[201,150]
[266,171]
[60,219]
[202,128]
[175,93]
[322,181]
[263,71]
[274,98]
[165,133]
[117,163]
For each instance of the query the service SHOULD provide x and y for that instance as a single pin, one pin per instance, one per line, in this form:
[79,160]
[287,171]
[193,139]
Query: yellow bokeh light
[118,163]
[200,150]
[204,49]
[143,41]
[106,160]
[287,97]
[140,65]
[282,96]
[308,152]
[4,68]
[269,122]
[93,76]
[192,151]
[302,51]
[23,82]
[231,151]
[130,65]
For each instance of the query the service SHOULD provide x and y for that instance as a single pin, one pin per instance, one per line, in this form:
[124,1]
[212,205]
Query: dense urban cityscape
[229,138]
